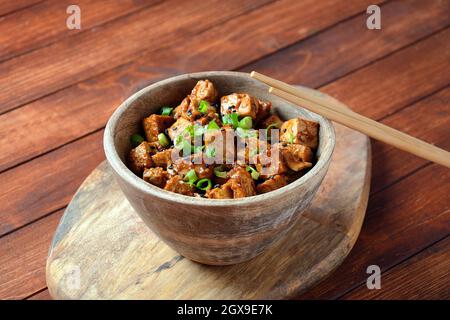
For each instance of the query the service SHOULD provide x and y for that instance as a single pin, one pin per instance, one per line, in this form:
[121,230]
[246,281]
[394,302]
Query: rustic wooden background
[59,86]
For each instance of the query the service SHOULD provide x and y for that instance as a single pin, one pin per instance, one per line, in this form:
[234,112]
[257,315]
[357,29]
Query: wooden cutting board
[102,250]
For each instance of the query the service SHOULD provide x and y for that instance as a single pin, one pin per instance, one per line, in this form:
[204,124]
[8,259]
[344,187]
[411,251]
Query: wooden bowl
[210,231]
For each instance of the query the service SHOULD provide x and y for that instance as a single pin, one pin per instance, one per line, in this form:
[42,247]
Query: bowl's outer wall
[222,234]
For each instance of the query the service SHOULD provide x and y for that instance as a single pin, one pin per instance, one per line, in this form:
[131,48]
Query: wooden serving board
[102,249]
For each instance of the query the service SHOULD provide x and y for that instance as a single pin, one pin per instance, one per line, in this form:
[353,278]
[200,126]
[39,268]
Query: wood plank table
[59,86]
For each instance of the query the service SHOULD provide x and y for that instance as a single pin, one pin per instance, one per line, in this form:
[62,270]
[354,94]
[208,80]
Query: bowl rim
[125,173]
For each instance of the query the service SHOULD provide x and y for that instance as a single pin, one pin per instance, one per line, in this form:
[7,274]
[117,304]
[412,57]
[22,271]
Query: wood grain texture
[431,277]
[44,23]
[36,188]
[350,45]
[18,194]
[144,267]
[8,7]
[341,49]
[400,221]
[414,119]
[43,295]
[23,256]
[60,65]
[108,90]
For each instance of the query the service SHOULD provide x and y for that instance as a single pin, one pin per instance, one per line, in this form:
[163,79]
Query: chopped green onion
[218,172]
[291,137]
[246,123]
[196,149]
[136,140]
[195,130]
[232,118]
[246,133]
[191,177]
[181,143]
[203,106]
[201,184]
[166,111]
[163,140]
[210,152]
[253,172]
[212,125]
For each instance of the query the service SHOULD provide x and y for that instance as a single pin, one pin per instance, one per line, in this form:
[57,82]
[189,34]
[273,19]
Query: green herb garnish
[246,123]
[210,152]
[136,140]
[232,118]
[212,125]
[163,140]
[219,172]
[201,184]
[203,106]
[253,172]
[191,177]
[166,111]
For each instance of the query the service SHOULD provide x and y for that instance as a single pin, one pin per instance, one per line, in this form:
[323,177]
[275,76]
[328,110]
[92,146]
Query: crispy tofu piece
[156,124]
[263,111]
[248,148]
[301,131]
[162,158]
[178,128]
[267,165]
[242,103]
[272,183]
[178,185]
[155,147]
[245,105]
[156,176]
[241,183]
[204,90]
[297,156]
[223,142]
[202,170]
[211,115]
[189,107]
[139,158]
[223,192]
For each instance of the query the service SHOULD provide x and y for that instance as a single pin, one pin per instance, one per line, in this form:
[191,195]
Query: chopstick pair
[339,113]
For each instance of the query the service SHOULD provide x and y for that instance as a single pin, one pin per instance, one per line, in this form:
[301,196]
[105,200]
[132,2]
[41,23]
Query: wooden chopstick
[338,112]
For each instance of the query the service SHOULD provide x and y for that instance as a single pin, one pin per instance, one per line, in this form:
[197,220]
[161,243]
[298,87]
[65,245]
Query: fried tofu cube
[272,183]
[156,176]
[178,128]
[156,124]
[178,185]
[242,103]
[223,192]
[204,90]
[162,158]
[139,158]
[263,111]
[297,156]
[301,131]
[241,183]
[195,162]
[268,165]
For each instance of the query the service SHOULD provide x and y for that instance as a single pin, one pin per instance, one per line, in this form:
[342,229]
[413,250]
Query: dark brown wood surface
[60,86]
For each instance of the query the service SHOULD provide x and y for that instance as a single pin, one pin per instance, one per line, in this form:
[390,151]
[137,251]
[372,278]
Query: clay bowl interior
[217,232]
